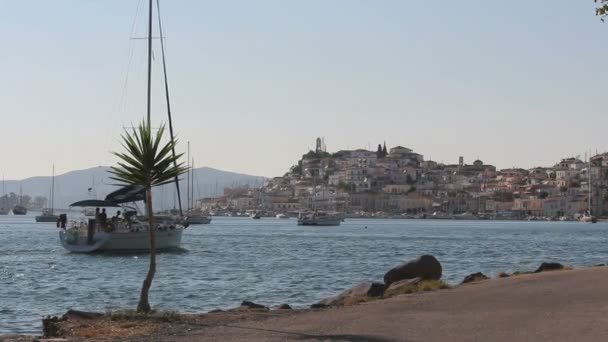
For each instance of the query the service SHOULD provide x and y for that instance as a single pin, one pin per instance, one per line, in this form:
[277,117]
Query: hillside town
[398,182]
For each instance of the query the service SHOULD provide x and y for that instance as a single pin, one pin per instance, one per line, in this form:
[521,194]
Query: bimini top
[126,194]
[93,203]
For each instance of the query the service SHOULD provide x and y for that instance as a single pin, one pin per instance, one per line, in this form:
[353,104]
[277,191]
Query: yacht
[19,209]
[47,214]
[197,217]
[128,233]
[319,218]
[588,218]
[4,205]
[282,216]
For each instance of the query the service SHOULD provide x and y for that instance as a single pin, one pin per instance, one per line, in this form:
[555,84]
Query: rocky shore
[407,296]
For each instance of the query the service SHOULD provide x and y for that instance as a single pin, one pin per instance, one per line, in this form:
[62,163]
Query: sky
[253,83]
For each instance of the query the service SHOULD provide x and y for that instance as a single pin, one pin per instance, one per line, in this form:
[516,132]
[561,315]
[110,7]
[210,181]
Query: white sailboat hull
[121,241]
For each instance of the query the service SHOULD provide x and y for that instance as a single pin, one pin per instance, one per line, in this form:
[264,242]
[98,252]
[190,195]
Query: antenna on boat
[162,48]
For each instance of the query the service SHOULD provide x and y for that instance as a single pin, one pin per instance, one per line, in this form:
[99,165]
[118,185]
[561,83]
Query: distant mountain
[95,183]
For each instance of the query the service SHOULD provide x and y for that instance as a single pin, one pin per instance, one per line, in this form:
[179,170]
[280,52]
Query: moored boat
[19,210]
[124,236]
[47,214]
[319,218]
[126,233]
[4,206]
[195,217]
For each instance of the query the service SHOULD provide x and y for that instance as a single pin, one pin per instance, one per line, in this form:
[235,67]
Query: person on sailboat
[115,220]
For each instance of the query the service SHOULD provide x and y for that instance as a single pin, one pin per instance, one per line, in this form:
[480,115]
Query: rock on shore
[425,267]
[356,293]
[474,277]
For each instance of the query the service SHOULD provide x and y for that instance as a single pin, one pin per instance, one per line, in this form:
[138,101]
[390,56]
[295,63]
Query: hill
[95,183]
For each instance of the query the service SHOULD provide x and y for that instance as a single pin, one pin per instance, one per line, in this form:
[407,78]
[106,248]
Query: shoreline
[167,326]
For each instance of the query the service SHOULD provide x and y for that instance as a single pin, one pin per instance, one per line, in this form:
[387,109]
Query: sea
[269,261]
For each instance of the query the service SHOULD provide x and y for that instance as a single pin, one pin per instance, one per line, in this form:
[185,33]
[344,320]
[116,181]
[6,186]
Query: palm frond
[146,159]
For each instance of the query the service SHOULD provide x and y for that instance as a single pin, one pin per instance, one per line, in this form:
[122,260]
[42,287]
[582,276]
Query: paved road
[553,306]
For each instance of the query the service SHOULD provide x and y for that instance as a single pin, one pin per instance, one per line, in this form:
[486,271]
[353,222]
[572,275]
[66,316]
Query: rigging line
[162,49]
[123,96]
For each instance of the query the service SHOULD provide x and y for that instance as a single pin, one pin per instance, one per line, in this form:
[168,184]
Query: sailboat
[194,216]
[131,231]
[4,208]
[47,213]
[587,216]
[19,209]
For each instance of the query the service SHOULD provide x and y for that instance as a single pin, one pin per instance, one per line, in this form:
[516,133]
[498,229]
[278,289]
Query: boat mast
[188,181]
[162,48]
[192,186]
[589,205]
[53,191]
[3,188]
[149,105]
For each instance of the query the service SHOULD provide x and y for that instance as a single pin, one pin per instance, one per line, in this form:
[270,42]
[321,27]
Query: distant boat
[282,216]
[4,208]
[193,217]
[319,218]
[256,215]
[588,216]
[47,214]
[19,209]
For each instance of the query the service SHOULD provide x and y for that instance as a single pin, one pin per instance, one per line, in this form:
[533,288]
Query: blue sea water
[269,261]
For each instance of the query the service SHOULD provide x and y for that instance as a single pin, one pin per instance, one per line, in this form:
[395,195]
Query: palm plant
[147,162]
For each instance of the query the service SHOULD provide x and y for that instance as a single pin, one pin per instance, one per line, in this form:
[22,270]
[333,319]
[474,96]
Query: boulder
[81,314]
[426,267]
[318,306]
[473,277]
[247,305]
[350,296]
[599,265]
[284,307]
[50,326]
[503,275]
[549,266]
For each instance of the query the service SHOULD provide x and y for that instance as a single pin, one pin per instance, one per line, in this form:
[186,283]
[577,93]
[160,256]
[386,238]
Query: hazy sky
[517,83]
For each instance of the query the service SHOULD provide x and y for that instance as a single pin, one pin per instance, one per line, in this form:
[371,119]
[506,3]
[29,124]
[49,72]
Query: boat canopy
[93,203]
[126,194]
